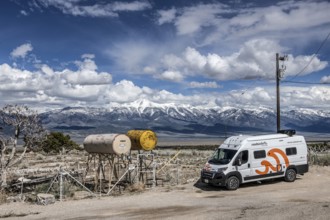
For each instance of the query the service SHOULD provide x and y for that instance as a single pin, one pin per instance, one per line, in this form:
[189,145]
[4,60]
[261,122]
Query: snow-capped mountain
[143,114]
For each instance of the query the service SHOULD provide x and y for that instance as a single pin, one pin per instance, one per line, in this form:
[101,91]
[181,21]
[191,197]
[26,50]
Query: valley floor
[306,198]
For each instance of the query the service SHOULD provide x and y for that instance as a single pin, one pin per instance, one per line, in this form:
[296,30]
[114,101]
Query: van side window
[243,156]
[291,151]
[259,154]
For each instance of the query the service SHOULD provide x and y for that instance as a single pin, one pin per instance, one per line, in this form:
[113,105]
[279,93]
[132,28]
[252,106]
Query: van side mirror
[238,162]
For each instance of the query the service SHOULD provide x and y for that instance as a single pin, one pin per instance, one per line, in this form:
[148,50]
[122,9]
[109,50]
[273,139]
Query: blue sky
[56,53]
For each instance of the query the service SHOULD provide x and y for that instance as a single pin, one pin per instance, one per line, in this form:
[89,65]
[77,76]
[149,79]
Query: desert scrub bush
[319,159]
[195,153]
[68,189]
[40,157]
[57,141]
[42,188]
[324,160]
[24,165]
[136,187]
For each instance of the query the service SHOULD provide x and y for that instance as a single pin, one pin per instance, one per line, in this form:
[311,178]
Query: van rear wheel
[232,183]
[290,175]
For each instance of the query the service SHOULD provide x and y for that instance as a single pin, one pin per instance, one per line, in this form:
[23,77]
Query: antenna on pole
[279,75]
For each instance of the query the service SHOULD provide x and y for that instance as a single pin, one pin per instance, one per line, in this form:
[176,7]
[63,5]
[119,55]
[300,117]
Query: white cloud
[21,51]
[211,23]
[297,65]
[88,56]
[255,59]
[131,6]
[87,73]
[135,56]
[252,97]
[172,61]
[23,12]
[174,76]
[85,84]
[78,8]
[212,85]
[166,16]
[325,79]
[123,91]
[193,19]
[164,96]
[194,59]
[149,70]
[61,88]
[317,97]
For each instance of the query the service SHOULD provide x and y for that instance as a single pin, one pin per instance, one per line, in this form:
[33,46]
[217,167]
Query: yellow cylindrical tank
[142,139]
[107,144]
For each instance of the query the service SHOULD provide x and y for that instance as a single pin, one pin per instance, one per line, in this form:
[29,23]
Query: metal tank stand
[146,169]
[64,176]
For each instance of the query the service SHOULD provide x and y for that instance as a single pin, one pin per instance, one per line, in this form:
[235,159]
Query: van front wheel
[290,175]
[232,183]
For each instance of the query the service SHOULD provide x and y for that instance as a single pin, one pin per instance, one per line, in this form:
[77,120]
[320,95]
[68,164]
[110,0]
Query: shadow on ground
[208,187]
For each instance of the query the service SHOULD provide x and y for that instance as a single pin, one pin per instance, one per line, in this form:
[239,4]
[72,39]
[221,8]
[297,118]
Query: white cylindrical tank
[107,144]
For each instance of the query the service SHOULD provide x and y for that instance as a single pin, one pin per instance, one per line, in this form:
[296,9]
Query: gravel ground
[306,198]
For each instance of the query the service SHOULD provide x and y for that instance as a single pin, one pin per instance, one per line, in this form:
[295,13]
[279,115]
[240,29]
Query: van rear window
[291,151]
[259,154]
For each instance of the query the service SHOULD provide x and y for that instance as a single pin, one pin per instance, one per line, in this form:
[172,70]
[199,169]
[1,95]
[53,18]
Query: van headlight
[222,169]
[207,167]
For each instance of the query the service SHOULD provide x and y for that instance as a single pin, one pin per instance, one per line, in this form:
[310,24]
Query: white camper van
[243,159]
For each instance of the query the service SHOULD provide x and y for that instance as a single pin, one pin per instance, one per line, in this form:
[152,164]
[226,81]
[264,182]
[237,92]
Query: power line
[299,82]
[317,51]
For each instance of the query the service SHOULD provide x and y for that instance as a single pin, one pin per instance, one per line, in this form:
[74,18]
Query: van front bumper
[213,178]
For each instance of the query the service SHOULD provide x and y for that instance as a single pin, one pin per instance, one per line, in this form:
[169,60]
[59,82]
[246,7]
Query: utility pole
[278,78]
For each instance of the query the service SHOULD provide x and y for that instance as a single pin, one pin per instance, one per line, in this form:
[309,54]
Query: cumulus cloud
[84,84]
[123,91]
[17,80]
[254,60]
[317,97]
[49,87]
[299,65]
[258,33]
[252,97]
[325,79]
[80,8]
[174,76]
[21,51]
[306,97]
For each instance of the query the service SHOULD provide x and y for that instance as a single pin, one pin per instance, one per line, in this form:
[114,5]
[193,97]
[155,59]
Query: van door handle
[248,165]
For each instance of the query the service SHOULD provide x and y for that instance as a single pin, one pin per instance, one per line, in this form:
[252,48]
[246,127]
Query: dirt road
[306,198]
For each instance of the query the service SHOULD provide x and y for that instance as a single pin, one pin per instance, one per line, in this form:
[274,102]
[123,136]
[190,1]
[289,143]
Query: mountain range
[182,119]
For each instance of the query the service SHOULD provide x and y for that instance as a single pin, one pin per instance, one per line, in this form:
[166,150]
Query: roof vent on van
[289,132]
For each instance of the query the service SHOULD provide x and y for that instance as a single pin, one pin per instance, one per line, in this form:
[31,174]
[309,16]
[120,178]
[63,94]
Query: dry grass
[136,187]
[3,197]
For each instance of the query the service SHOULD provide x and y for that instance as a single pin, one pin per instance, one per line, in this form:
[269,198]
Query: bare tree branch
[26,124]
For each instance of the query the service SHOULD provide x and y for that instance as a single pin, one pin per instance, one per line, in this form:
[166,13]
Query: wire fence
[319,153]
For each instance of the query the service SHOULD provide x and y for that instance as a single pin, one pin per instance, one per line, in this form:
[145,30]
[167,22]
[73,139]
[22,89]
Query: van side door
[242,163]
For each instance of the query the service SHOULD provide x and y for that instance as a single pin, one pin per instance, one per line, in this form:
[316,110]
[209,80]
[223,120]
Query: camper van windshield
[222,156]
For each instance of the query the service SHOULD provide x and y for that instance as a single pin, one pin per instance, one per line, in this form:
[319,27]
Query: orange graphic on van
[268,165]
